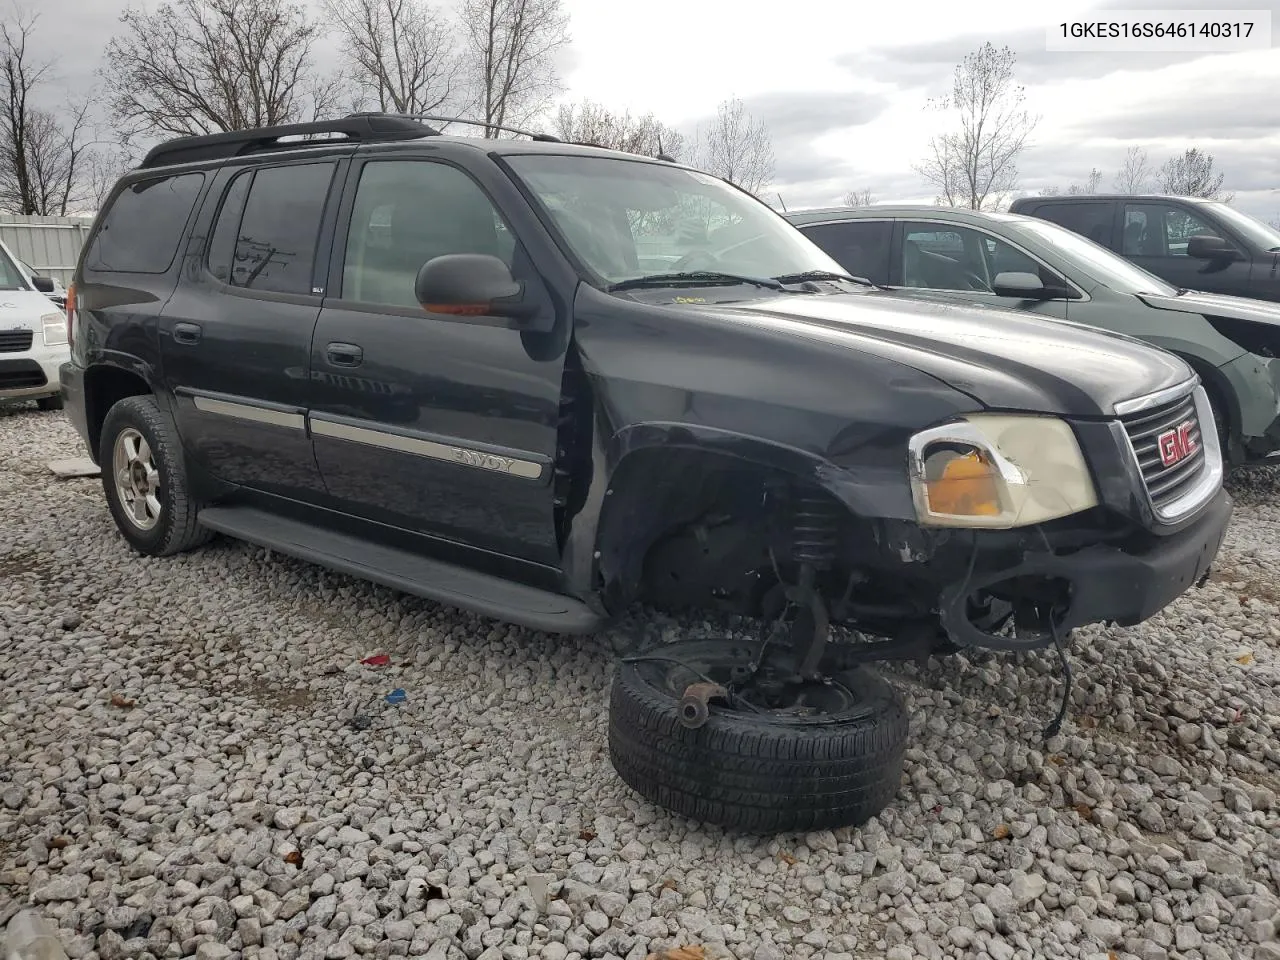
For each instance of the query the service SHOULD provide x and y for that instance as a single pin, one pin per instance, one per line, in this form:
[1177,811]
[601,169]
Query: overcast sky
[843,85]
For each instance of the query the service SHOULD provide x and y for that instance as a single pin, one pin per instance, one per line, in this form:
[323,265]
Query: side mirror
[1024,286]
[1206,247]
[471,285]
[43,284]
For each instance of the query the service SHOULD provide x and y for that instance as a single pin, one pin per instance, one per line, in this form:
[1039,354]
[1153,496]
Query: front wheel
[145,479]
[783,754]
[50,403]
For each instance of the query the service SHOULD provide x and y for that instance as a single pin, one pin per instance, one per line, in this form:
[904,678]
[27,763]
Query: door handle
[187,333]
[344,354]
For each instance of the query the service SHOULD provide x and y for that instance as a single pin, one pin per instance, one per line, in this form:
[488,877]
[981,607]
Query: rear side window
[1092,220]
[860,246]
[142,230]
[275,242]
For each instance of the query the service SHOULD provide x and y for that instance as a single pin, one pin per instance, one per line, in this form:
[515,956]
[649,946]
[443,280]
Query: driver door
[955,263]
[443,427]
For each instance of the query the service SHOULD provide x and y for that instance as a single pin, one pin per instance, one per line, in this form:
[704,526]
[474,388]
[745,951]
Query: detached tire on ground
[768,772]
[145,479]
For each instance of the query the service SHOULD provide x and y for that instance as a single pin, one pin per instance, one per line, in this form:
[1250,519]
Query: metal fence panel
[49,245]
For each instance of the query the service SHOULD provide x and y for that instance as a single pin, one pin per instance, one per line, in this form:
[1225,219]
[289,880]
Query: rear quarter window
[142,229]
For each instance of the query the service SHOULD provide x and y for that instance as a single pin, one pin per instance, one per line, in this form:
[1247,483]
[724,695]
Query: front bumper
[30,376]
[1124,582]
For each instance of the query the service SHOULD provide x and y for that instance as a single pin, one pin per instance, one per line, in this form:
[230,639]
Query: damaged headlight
[998,471]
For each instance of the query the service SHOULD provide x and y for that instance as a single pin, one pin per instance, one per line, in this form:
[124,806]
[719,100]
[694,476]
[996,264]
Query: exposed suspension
[815,533]
[815,530]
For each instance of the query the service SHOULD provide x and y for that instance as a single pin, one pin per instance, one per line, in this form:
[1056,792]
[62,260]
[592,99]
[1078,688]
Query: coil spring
[815,527]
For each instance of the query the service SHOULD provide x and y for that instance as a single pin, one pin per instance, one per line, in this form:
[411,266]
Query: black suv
[548,382]
[1192,243]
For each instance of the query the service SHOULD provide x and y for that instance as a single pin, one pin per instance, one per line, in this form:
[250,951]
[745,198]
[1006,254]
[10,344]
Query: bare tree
[1191,174]
[42,153]
[510,56]
[203,66]
[736,147]
[402,53]
[1135,172]
[858,198]
[975,165]
[588,122]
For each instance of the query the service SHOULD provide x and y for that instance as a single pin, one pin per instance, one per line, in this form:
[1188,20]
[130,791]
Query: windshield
[1251,228]
[1095,260]
[627,219]
[11,278]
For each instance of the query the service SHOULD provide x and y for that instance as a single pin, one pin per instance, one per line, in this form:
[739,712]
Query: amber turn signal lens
[458,309]
[966,486]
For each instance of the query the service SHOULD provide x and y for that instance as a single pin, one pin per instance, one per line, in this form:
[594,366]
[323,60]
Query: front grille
[15,341]
[1145,428]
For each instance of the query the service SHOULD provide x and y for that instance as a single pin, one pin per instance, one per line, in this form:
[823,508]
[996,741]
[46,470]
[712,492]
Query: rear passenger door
[236,337]
[441,425]
[862,247]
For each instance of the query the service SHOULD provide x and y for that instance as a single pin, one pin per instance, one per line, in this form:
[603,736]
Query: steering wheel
[976,282]
[696,260]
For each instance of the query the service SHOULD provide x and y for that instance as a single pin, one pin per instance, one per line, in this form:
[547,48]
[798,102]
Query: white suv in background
[33,338]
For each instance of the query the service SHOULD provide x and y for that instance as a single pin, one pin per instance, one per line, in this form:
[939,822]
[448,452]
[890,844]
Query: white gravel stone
[420,826]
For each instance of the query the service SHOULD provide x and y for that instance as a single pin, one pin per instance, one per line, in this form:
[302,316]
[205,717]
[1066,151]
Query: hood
[1216,304]
[1003,359]
[24,308]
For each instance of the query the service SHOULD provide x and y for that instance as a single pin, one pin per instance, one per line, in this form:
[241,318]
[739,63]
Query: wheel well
[105,387]
[681,520]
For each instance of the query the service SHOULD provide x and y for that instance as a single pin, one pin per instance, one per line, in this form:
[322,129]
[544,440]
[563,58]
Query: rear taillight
[71,315]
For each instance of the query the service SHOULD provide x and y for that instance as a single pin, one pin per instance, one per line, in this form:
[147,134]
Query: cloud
[1202,114]
[804,114]
[930,64]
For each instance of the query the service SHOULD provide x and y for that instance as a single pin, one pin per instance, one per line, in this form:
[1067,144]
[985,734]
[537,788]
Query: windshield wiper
[694,276]
[821,275]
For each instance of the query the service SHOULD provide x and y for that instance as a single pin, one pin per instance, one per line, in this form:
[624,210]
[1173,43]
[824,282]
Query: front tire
[145,479]
[50,403]
[776,770]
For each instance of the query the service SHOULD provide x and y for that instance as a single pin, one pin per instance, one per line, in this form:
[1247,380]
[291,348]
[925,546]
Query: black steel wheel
[780,754]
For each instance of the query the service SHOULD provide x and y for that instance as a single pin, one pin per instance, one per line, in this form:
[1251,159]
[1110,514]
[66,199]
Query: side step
[405,571]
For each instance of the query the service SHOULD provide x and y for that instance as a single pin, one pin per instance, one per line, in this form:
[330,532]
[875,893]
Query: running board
[402,570]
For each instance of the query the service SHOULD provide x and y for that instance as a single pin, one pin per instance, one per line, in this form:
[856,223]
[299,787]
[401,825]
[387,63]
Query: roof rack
[540,137]
[366,127]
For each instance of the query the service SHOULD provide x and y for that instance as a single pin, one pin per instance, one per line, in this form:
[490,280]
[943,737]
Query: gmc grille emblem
[1177,444]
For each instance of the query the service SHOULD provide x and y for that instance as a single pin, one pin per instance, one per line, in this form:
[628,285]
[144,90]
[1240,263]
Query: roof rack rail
[365,127]
[541,137]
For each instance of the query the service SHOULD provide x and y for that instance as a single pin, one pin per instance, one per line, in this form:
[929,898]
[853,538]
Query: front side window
[407,212]
[626,219]
[935,257]
[860,246]
[1161,230]
[142,229]
[275,244]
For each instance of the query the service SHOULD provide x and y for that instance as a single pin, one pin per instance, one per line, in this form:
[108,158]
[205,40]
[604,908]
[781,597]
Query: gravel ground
[194,762]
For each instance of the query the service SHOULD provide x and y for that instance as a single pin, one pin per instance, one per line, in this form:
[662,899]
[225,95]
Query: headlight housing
[997,471]
[55,329]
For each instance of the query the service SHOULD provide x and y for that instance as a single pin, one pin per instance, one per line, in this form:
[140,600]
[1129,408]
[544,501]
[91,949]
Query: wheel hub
[137,479]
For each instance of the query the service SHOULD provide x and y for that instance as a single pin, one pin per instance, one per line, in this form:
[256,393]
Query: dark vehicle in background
[1033,266]
[440,363]
[1192,243]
